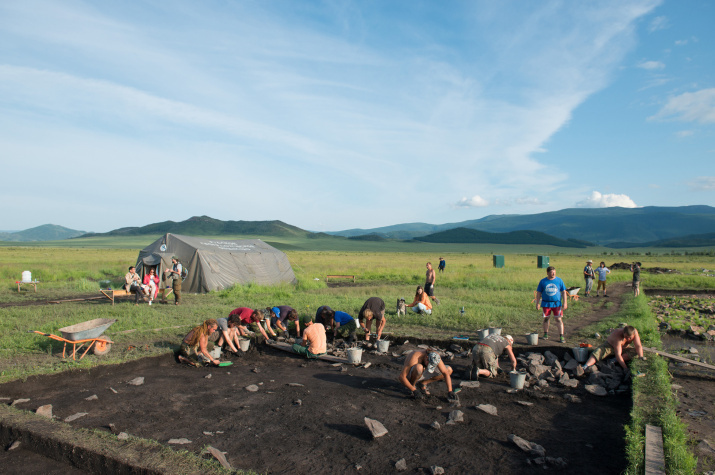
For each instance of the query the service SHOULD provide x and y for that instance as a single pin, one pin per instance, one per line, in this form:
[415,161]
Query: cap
[510,338]
[174,257]
[433,361]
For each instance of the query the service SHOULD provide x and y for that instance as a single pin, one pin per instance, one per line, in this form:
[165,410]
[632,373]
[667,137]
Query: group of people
[148,287]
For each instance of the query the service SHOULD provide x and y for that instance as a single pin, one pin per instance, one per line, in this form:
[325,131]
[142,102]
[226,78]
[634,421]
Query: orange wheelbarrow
[82,333]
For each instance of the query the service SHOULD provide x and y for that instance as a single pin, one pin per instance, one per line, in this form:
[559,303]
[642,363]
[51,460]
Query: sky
[339,114]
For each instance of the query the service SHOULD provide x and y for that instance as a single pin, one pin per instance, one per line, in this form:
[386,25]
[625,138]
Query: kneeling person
[617,341]
[424,367]
[485,356]
[314,341]
[342,324]
[195,347]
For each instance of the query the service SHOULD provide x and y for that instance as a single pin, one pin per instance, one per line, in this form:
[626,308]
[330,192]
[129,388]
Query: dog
[401,307]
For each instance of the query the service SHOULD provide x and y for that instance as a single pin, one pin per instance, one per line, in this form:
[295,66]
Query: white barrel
[27,276]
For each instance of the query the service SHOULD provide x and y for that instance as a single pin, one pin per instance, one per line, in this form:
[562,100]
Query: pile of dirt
[650,270]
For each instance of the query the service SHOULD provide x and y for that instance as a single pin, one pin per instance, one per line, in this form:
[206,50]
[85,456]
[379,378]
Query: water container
[516,379]
[27,276]
[495,330]
[532,338]
[354,355]
[216,352]
[244,344]
[581,354]
[482,334]
[383,345]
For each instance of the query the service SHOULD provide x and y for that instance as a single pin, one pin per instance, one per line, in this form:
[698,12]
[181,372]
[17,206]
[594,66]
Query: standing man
[174,275]
[372,309]
[550,294]
[602,272]
[314,341]
[442,264]
[430,278]
[588,274]
[424,367]
[485,356]
[636,269]
[133,284]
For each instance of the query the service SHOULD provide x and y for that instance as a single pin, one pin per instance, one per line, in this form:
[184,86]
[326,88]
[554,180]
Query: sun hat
[510,338]
[433,361]
[589,261]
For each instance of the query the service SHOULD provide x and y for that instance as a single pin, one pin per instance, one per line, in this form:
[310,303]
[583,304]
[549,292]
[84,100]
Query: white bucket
[216,352]
[354,355]
[27,276]
[495,330]
[517,379]
[482,334]
[383,345]
[581,354]
[532,338]
[244,344]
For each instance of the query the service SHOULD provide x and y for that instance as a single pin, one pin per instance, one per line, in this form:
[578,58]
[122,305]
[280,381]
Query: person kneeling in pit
[485,356]
[253,320]
[617,341]
[195,347]
[314,341]
[424,367]
[342,324]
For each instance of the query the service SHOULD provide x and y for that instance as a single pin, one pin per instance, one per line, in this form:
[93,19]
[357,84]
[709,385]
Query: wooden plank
[678,358]
[289,348]
[654,457]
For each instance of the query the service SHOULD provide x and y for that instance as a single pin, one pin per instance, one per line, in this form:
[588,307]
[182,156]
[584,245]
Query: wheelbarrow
[82,333]
[573,292]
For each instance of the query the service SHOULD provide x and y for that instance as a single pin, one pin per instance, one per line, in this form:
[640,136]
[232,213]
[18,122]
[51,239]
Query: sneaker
[150,302]
[605,295]
[546,336]
[562,339]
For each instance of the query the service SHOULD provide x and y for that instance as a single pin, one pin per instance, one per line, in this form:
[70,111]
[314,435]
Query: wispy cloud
[658,23]
[599,200]
[702,183]
[651,65]
[696,106]
[684,133]
[475,201]
[681,42]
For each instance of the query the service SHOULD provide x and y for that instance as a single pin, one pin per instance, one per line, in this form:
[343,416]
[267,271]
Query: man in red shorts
[551,298]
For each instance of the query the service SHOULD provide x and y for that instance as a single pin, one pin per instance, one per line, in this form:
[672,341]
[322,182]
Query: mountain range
[46,232]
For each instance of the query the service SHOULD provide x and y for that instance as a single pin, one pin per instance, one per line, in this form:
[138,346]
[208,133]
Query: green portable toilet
[498,261]
[542,262]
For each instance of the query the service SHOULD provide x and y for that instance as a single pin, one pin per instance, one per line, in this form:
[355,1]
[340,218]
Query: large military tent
[214,264]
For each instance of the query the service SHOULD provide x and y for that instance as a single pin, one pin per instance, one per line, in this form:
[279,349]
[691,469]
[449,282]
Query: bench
[112,293]
[33,283]
[327,278]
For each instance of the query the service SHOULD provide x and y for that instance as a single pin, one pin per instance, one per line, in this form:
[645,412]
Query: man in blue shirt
[343,324]
[550,296]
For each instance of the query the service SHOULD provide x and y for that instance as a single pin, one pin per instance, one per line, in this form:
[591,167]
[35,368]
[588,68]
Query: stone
[138,381]
[571,383]
[297,402]
[706,449]
[19,401]
[401,465]
[557,462]
[76,416]
[45,411]
[528,447]
[251,388]
[549,358]
[436,470]
[181,441]
[336,365]
[676,386]
[93,397]
[218,455]
[579,371]
[543,383]
[255,370]
[295,385]
[567,357]
[488,408]
[14,445]
[424,347]
[469,384]
[564,377]
[557,366]
[572,398]
[456,416]
[396,354]
[367,365]
[537,369]
[435,425]
[596,390]
[208,376]
[525,403]
[693,350]
[207,433]
[376,427]
[114,390]
[122,436]
[571,365]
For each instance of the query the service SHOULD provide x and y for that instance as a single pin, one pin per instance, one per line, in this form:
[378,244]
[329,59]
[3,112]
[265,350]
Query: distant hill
[46,232]
[602,226]
[206,226]
[692,240]
[465,235]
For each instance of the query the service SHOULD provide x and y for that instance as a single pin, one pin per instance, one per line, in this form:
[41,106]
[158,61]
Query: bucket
[581,354]
[481,334]
[216,352]
[495,330]
[354,355]
[244,344]
[517,379]
[532,338]
[383,345]
[27,276]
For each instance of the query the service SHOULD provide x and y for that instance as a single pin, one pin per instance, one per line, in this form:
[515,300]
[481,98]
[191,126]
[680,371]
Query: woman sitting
[194,349]
[151,280]
[422,303]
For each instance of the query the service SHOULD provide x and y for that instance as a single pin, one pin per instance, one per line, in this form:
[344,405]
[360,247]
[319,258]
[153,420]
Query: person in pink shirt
[314,341]
[151,280]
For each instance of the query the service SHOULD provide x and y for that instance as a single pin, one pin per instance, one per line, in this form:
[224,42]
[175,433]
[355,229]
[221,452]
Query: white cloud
[658,23]
[703,183]
[696,106]
[651,65]
[681,42]
[475,201]
[684,133]
[598,200]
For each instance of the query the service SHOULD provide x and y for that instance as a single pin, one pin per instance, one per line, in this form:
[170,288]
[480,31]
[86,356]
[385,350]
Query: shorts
[604,350]
[429,289]
[636,284]
[425,375]
[484,357]
[192,353]
[345,330]
[555,311]
[601,285]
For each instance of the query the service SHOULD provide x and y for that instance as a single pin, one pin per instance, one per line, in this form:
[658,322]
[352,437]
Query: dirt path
[601,307]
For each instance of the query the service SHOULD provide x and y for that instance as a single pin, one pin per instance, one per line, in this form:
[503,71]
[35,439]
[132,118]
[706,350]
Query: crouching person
[423,367]
[616,345]
[314,341]
[342,324]
[485,356]
[251,319]
[195,347]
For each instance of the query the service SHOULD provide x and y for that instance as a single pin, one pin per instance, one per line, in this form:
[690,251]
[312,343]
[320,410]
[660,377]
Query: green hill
[692,240]
[465,235]
[46,232]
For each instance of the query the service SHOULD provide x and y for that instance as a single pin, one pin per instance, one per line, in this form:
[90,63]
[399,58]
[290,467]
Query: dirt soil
[317,424]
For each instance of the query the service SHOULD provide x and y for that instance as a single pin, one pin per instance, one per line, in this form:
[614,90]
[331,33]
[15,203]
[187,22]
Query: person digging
[423,367]
[485,356]
[615,344]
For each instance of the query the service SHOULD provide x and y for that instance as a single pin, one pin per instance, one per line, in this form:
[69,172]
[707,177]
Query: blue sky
[340,114]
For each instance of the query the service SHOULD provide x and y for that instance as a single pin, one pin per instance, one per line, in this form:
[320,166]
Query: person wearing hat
[588,274]
[174,274]
[485,356]
[424,367]
[442,264]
